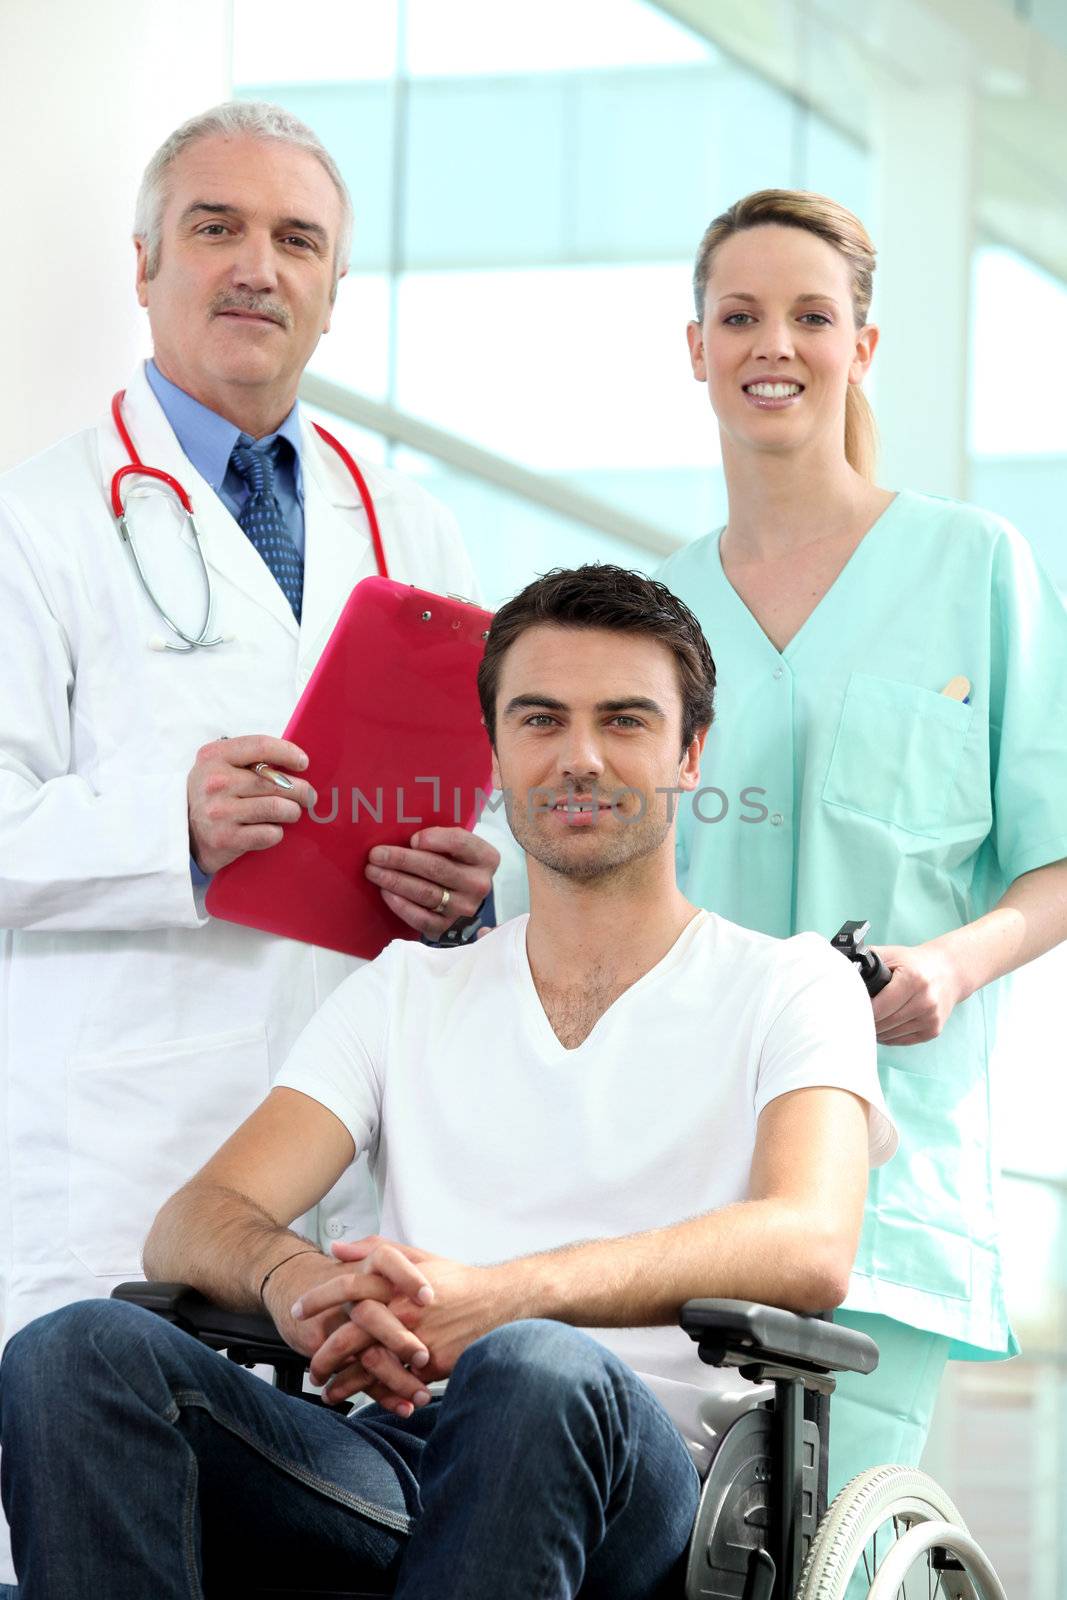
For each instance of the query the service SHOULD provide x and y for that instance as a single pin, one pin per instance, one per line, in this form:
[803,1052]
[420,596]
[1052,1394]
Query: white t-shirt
[488,1139]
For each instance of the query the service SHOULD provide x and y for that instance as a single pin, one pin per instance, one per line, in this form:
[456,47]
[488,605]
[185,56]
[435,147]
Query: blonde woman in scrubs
[856,773]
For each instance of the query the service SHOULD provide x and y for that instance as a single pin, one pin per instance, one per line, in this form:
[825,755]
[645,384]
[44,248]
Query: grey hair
[257,119]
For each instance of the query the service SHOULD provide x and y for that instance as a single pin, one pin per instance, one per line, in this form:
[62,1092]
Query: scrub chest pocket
[142,1121]
[897,752]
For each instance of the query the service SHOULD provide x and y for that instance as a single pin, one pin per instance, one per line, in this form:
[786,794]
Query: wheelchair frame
[765,1494]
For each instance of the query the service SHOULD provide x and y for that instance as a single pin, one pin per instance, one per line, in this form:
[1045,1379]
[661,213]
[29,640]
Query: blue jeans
[137,1462]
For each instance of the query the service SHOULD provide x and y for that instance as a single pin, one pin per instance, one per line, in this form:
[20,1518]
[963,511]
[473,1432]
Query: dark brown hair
[605,596]
[811,213]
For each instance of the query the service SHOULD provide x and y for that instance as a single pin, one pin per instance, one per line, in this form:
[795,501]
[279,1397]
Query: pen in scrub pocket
[958,689]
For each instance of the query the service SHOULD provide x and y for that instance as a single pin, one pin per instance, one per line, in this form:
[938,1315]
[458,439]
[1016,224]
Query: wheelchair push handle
[872,969]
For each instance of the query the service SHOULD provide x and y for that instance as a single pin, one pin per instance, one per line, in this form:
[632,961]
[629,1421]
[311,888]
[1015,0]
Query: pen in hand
[262,770]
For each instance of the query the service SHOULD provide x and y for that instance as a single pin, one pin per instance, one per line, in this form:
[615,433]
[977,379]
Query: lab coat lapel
[227,548]
[337,547]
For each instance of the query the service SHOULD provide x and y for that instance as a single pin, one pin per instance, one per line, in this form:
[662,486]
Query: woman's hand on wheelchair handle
[926,987]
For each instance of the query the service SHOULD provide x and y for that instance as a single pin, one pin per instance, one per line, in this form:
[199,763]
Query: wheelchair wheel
[893,1534]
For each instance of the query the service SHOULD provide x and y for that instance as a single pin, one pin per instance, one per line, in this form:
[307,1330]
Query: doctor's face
[244,283]
[588,731]
[778,346]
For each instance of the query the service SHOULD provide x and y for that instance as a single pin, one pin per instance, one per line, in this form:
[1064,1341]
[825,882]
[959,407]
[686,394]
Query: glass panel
[559,369]
[1047,16]
[998,1444]
[1019,355]
[998,1448]
[1031,492]
[581,372]
[836,165]
[1018,422]
[511,540]
[1033,1224]
[591,166]
[336,41]
[549,228]
[355,352]
[1028,1049]
[522,277]
[467,37]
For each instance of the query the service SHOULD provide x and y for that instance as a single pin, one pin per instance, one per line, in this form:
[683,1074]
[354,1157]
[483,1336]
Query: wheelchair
[763,1530]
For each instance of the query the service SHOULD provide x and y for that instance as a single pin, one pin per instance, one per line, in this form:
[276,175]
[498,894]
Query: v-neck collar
[545,1035]
[845,581]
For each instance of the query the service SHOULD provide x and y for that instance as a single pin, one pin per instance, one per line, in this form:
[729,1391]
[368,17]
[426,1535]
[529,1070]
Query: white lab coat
[137,1033]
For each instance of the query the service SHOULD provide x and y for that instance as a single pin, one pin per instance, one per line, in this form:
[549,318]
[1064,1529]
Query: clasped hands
[386,1321]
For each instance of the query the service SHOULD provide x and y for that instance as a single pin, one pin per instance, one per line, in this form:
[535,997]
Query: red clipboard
[392,727]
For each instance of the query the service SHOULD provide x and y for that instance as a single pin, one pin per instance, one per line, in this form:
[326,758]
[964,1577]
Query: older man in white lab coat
[136,1031]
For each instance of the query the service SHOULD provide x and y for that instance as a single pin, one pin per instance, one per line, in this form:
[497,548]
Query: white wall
[87,93]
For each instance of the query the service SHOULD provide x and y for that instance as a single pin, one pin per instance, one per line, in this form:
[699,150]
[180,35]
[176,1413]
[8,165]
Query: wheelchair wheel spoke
[896,1536]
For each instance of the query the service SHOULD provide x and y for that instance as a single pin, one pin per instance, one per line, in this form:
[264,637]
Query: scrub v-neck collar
[545,1036]
[834,597]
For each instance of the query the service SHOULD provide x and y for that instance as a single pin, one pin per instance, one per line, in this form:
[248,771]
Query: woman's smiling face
[779,345]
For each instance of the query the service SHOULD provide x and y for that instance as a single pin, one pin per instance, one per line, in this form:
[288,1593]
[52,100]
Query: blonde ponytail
[861,433]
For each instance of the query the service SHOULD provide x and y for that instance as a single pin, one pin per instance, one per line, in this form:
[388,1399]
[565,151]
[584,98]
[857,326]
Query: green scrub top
[839,782]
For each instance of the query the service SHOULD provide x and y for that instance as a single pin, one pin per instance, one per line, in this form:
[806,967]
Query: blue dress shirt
[208,440]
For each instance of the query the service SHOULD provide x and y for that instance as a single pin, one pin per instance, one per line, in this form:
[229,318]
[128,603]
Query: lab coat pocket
[140,1122]
[896,752]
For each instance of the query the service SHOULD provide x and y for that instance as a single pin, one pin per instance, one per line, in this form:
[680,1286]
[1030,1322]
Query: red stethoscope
[137,468]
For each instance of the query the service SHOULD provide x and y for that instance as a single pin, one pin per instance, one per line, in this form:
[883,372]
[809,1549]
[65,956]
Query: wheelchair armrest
[734,1333]
[250,1337]
[740,1333]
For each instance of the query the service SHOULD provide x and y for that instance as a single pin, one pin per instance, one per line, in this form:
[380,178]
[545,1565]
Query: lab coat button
[777,672]
[335,1228]
[776,819]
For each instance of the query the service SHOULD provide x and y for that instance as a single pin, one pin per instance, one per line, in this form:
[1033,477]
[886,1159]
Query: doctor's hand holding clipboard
[389,730]
[244,792]
[241,793]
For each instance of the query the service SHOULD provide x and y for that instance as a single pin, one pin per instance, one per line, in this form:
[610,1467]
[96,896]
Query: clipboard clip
[462,598]
[424,616]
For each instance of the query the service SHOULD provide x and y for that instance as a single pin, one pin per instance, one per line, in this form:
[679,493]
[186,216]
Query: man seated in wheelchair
[575,1125]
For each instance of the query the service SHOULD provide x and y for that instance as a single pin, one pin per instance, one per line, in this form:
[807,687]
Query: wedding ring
[445,898]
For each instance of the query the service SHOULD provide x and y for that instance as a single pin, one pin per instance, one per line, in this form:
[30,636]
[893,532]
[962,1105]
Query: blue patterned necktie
[262,520]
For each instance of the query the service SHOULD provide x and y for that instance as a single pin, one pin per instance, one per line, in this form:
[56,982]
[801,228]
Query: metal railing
[452,450]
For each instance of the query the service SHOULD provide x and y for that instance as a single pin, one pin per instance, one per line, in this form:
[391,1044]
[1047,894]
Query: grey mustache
[262,308]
